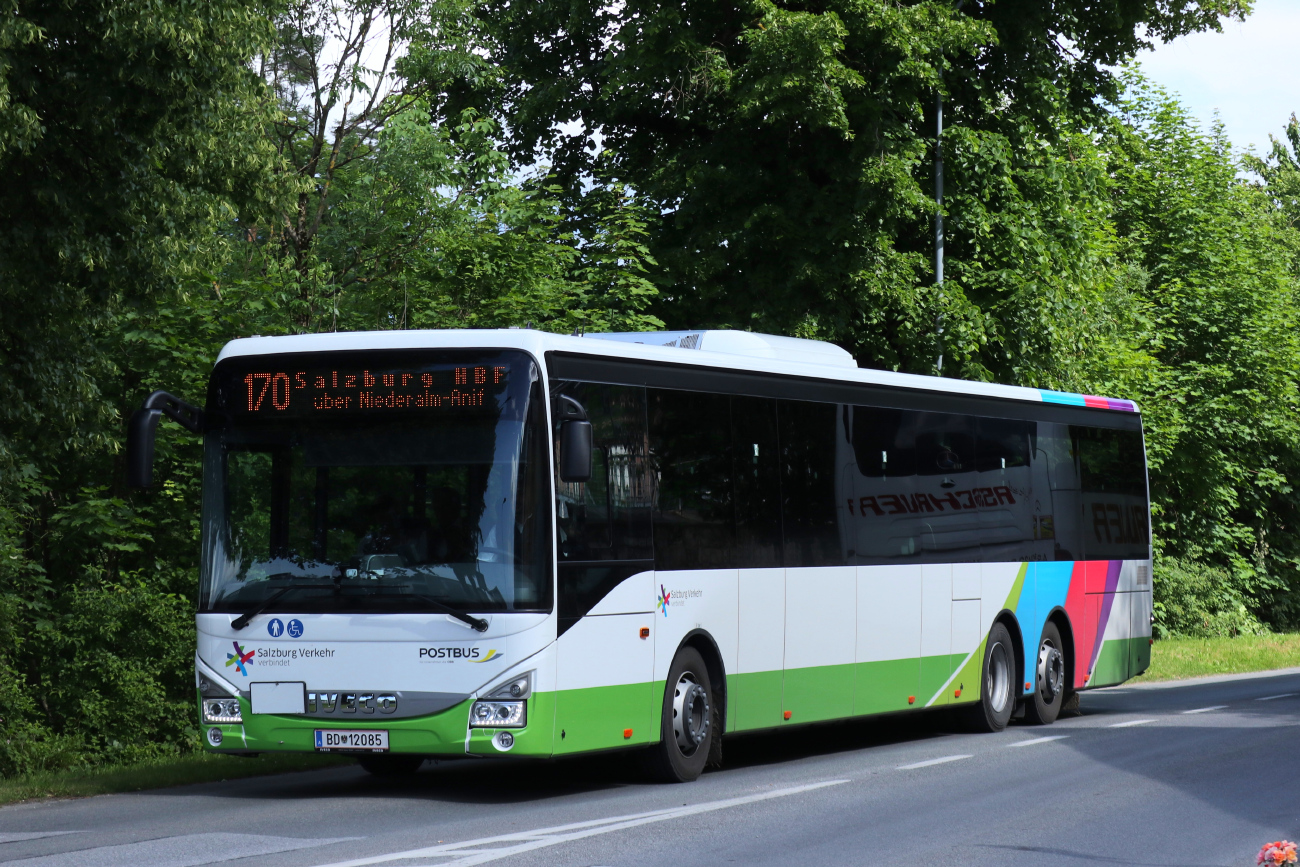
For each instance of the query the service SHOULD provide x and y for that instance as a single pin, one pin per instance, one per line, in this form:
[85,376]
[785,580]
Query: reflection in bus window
[694,510]
[608,518]
[1114,515]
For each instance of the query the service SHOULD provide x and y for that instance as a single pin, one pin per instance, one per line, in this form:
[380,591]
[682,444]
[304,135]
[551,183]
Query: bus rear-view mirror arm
[143,428]
[575,440]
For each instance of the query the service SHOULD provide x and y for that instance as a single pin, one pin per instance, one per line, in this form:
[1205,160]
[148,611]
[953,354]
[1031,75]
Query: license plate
[369,740]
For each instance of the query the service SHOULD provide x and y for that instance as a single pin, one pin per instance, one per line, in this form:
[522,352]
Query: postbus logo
[454,654]
[664,597]
[239,659]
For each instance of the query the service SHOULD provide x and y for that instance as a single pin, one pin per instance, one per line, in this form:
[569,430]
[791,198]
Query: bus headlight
[221,710]
[498,714]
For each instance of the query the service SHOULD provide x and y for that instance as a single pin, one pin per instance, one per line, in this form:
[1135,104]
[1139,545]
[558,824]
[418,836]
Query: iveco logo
[350,702]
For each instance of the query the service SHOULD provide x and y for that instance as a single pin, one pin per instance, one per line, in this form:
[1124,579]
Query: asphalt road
[1192,774]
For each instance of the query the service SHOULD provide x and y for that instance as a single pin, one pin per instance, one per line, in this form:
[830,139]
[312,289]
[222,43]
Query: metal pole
[938,223]
[938,201]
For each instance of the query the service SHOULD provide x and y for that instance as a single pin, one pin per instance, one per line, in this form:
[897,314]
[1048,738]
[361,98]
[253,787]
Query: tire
[997,684]
[390,765]
[688,722]
[1044,706]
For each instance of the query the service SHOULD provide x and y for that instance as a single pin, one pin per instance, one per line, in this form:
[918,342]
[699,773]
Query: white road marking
[928,762]
[1206,709]
[189,850]
[527,841]
[19,836]
[1132,722]
[1042,740]
[1281,695]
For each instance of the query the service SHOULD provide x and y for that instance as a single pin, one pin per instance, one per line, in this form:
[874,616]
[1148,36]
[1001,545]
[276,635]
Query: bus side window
[808,435]
[1113,509]
[756,471]
[607,518]
[947,479]
[1054,451]
[885,520]
[1013,525]
[694,509]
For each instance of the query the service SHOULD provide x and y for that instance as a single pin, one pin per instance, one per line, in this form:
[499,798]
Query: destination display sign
[280,388]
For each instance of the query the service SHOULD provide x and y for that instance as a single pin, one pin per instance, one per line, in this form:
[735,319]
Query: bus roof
[731,350]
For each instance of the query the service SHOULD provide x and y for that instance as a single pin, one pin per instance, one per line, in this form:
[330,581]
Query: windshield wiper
[243,620]
[479,624]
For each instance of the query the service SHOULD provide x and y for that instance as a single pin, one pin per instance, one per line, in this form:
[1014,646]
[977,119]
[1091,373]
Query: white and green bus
[491,543]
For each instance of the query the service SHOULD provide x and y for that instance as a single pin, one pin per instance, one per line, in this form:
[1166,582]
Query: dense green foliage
[786,148]
[178,174]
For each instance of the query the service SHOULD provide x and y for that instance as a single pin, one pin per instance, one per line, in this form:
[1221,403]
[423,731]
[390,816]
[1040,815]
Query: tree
[129,132]
[786,147]
[126,131]
[1279,172]
[1209,345]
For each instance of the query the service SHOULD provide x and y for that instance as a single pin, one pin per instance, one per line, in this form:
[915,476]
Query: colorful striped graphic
[1071,399]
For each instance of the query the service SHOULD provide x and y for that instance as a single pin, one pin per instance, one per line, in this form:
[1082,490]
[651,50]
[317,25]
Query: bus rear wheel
[390,765]
[1044,705]
[687,723]
[997,688]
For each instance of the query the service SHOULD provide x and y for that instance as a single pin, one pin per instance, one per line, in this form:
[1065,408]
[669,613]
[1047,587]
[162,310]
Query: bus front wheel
[1049,675]
[688,721]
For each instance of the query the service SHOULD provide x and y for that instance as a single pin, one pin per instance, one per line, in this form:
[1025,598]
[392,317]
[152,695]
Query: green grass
[1180,658]
[199,768]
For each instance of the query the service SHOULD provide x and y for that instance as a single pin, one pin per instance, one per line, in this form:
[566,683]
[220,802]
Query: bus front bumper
[446,733]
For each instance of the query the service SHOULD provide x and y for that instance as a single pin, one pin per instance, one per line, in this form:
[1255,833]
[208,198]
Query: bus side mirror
[575,451]
[142,430]
[140,434]
[575,441]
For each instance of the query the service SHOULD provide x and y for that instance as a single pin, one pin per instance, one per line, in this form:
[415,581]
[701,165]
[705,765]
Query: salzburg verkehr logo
[664,596]
[239,658]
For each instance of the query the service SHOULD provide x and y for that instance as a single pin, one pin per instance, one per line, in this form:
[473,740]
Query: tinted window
[885,518]
[367,514]
[1012,492]
[809,508]
[942,487]
[756,474]
[1056,457]
[608,518]
[690,449]
[1113,500]
[946,522]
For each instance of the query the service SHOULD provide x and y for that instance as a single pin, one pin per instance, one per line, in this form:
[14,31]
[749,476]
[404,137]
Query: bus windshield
[376,482]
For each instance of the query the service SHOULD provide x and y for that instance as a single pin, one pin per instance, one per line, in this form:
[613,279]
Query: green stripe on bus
[596,718]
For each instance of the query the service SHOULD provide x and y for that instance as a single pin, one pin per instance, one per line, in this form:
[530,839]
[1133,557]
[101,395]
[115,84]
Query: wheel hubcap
[690,713]
[1051,671]
[998,683]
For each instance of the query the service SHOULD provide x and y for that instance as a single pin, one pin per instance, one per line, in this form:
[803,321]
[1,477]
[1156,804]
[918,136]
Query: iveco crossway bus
[511,543]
